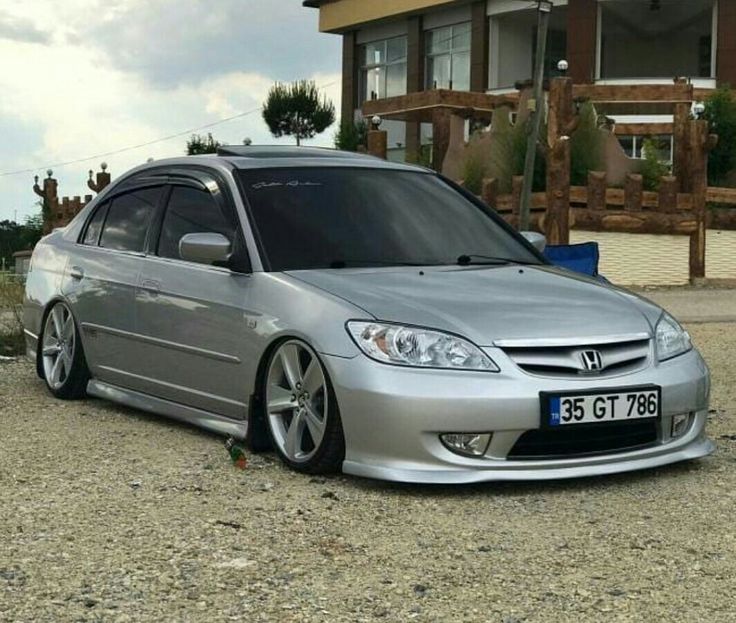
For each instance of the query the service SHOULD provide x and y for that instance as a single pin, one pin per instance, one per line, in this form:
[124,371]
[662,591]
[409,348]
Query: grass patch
[12,341]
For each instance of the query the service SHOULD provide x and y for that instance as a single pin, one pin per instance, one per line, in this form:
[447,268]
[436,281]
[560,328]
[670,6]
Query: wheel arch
[57,298]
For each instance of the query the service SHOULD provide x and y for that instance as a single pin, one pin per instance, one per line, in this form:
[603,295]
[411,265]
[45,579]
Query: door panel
[192,335]
[191,316]
[101,277]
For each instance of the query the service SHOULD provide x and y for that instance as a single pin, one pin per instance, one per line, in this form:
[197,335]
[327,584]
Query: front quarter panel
[282,306]
[43,283]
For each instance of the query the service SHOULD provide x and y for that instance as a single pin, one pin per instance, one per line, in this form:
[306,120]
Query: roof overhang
[343,15]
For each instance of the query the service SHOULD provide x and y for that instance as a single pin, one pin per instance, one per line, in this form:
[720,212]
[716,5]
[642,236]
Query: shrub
[586,147]
[12,341]
[350,136]
[653,168]
[720,112]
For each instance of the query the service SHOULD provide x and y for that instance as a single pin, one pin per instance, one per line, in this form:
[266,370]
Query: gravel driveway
[108,514]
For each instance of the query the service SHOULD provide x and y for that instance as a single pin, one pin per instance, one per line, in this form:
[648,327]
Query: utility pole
[536,105]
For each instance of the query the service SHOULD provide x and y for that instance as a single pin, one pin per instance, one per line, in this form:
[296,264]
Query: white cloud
[64,99]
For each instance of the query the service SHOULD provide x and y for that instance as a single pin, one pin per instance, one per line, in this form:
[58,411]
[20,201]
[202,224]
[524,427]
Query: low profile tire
[301,411]
[62,358]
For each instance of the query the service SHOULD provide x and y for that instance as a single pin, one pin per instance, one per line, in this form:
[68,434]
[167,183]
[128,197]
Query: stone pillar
[414,81]
[726,53]
[378,143]
[350,67]
[479,47]
[102,179]
[582,40]
[49,198]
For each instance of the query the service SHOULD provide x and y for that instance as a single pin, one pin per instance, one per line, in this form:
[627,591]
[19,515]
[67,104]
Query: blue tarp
[580,258]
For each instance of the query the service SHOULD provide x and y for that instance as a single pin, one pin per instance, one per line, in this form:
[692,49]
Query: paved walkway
[643,259]
[697,305]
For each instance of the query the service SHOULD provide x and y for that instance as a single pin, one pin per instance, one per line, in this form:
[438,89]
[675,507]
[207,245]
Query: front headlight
[672,339]
[417,347]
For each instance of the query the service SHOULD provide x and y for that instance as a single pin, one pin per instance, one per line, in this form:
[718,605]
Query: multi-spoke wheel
[64,368]
[301,410]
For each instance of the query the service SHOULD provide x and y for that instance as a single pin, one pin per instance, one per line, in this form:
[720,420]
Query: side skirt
[210,421]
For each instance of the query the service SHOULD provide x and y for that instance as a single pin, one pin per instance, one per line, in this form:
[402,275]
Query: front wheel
[301,410]
[62,358]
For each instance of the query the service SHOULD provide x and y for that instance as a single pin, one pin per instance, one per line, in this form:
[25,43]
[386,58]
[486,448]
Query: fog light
[680,425]
[467,444]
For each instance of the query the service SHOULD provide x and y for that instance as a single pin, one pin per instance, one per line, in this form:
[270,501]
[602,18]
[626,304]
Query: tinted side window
[190,211]
[128,218]
[94,227]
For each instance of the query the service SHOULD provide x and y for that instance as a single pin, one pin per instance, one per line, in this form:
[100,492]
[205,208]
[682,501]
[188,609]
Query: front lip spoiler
[518,471]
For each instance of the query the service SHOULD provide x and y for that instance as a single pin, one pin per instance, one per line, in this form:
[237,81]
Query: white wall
[511,52]
[447,17]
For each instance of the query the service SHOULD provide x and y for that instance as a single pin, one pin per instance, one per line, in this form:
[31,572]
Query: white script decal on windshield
[292,183]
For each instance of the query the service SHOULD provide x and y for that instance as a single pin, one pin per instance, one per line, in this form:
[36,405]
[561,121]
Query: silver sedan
[357,315]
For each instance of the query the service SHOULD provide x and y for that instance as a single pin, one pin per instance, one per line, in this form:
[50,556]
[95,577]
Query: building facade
[395,47]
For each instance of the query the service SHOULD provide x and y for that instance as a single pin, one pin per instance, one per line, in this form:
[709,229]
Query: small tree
[297,110]
[720,112]
[352,135]
[200,144]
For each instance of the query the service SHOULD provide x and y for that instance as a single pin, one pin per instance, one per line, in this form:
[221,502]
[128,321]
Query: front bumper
[392,418]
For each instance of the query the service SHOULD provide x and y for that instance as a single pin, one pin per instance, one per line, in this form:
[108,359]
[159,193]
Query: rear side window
[128,219]
[94,227]
[190,211]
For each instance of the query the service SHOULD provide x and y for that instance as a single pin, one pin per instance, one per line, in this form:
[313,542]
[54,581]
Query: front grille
[567,361]
[579,441]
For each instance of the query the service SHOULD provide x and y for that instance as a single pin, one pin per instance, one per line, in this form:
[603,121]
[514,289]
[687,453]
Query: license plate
[597,407]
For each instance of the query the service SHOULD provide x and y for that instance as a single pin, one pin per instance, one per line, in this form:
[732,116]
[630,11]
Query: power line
[146,144]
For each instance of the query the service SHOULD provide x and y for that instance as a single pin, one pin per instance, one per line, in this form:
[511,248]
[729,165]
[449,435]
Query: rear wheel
[62,358]
[301,410]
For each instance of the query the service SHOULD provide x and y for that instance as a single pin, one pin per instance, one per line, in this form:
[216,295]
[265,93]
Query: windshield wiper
[349,263]
[489,260]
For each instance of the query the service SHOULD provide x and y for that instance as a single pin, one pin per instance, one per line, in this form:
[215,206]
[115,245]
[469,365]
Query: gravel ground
[108,514]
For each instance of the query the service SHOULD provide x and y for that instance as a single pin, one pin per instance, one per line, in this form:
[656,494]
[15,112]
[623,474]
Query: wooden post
[699,144]
[517,183]
[378,143]
[597,186]
[680,133]
[489,192]
[633,192]
[440,136]
[561,122]
[668,186]
[557,222]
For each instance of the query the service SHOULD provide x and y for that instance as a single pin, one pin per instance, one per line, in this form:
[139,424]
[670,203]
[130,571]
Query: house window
[448,57]
[661,39]
[383,70]
[635,146]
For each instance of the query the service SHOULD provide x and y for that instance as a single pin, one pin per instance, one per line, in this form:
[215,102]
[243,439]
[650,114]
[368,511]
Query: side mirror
[538,241]
[205,248]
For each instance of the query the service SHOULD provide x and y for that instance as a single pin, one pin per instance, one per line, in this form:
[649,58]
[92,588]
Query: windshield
[310,218]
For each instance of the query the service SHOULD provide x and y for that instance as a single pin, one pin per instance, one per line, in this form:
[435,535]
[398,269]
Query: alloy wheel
[297,401]
[59,342]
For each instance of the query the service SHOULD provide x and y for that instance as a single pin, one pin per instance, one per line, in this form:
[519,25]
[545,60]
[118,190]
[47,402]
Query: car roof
[280,156]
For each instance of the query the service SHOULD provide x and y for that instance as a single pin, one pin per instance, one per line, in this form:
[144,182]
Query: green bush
[653,167]
[351,136]
[720,112]
[586,147]
[12,341]
[474,171]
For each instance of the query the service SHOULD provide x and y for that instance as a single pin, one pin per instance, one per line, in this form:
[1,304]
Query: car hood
[492,304]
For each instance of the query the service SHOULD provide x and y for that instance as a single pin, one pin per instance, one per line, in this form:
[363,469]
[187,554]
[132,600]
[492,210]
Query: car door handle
[150,285]
[76,273]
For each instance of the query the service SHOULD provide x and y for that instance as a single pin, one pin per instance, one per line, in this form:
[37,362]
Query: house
[397,47]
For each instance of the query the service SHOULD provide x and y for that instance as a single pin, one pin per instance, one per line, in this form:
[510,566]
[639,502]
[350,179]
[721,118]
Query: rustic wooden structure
[58,212]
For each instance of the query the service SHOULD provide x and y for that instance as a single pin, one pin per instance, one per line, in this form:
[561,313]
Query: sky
[80,78]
